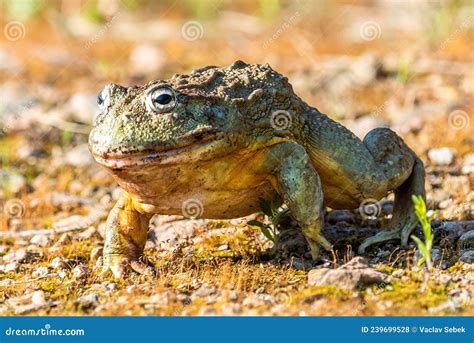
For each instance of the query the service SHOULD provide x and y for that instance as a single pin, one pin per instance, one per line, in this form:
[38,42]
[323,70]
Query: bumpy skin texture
[229,136]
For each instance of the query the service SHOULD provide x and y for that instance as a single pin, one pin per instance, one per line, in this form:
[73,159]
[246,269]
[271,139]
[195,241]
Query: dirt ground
[404,65]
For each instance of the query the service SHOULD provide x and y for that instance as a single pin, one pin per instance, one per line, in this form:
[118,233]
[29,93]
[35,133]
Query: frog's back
[258,93]
[237,80]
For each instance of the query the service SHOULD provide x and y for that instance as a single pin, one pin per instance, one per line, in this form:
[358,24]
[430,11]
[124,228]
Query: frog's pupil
[163,99]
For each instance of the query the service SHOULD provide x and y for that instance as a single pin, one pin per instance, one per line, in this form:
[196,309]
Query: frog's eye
[103,100]
[160,99]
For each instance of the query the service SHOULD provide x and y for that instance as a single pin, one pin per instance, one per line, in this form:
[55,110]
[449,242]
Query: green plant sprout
[425,221]
[275,213]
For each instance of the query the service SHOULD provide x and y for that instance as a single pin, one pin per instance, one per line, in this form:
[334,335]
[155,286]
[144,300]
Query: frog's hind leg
[403,173]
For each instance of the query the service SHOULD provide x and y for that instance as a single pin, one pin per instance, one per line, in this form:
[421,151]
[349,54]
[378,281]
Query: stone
[11,267]
[398,273]
[89,233]
[80,271]
[356,273]
[467,256]
[447,306]
[441,156]
[64,239]
[21,256]
[466,240]
[40,271]
[96,252]
[58,263]
[31,302]
[40,240]
[38,298]
[6,282]
[468,164]
[111,286]
[205,291]
[302,264]
[462,295]
[88,301]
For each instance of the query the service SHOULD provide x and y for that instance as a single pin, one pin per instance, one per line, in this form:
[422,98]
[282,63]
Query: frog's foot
[121,266]
[403,228]
[315,240]
[383,236]
[406,177]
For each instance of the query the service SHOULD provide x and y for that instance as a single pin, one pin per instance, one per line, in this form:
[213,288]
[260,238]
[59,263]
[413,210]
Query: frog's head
[157,123]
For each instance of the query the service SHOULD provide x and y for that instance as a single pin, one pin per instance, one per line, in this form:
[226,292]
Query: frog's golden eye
[160,99]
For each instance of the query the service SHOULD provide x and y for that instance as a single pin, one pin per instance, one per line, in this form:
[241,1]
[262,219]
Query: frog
[213,142]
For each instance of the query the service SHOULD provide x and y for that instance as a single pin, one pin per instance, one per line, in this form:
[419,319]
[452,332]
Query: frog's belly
[224,188]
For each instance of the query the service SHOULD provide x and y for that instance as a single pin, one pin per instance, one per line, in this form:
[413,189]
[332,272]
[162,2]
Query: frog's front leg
[299,185]
[125,238]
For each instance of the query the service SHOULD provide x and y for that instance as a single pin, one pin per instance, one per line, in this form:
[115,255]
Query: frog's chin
[185,154]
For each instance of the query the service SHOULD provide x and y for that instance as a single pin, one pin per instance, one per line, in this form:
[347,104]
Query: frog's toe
[315,243]
[143,266]
[383,236]
[121,266]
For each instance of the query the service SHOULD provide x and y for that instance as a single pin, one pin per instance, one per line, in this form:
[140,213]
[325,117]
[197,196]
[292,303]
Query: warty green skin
[236,134]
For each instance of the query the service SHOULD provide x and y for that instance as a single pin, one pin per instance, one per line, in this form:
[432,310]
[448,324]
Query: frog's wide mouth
[149,157]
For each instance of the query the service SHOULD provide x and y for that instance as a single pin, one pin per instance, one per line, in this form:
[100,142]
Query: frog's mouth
[194,151]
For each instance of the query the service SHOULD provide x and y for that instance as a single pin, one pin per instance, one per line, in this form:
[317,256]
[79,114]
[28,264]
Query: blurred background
[407,65]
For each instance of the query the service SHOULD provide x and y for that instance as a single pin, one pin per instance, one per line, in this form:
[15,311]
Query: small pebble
[40,240]
[88,301]
[467,256]
[441,156]
[88,233]
[398,273]
[205,291]
[80,272]
[468,165]
[58,263]
[38,298]
[96,253]
[21,256]
[40,271]
[466,240]
[448,305]
[11,267]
